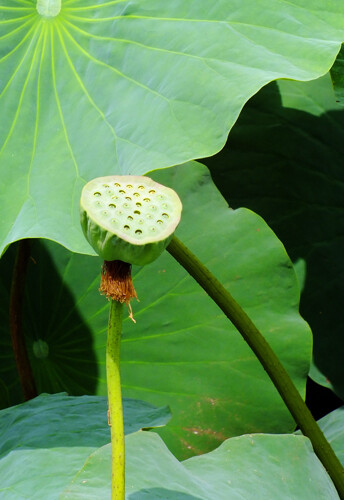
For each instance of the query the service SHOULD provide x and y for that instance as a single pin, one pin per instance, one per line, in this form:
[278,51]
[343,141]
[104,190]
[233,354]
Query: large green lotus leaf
[182,351]
[45,441]
[110,87]
[250,467]
[284,161]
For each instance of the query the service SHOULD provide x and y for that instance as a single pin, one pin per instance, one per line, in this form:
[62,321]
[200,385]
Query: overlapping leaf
[182,351]
[63,456]
[128,86]
[46,440]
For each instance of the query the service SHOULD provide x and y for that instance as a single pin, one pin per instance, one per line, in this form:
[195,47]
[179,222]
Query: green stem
[115,400]
[266,356]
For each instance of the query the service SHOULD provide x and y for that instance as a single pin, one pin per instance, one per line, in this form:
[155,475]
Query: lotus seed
[141,187]
[159,221]
[138,231]
[146,199]
[166,216]
[151,191]
[127,227]
[130,217]
[97,193]
[137,195]
[112,205]
[129,186]
[139,204]
[137,212]
[121,191]
[128,198]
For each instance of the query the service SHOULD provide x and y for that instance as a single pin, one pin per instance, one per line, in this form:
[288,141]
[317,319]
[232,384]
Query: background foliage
[292,133]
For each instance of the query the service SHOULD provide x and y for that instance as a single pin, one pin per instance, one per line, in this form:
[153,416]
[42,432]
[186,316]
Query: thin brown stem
[15,315]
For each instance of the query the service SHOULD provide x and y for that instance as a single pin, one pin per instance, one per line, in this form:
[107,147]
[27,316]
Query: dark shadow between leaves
[287,166]
[161,494]
[59,343]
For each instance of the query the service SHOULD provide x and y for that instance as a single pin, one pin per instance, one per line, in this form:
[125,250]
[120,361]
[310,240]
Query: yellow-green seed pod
[129,218]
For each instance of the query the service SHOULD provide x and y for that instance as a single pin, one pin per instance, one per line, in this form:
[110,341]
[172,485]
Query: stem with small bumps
[115,400]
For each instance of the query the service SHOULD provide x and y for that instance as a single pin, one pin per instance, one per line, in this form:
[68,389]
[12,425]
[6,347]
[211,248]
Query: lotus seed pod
[129,218]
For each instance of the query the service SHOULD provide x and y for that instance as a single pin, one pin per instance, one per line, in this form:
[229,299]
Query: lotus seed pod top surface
[135,209]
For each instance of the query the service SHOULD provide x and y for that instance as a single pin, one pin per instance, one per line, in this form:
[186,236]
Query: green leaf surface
[54,449]
[182,351]
[45,441]
[332,426]
[109,87]
[284,161]
[249,467]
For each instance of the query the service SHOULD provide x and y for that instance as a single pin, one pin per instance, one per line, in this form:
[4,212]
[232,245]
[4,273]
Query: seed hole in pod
[146,199]
[106,185]
[165,216]
[164,205]
[126,227]
[130,217]
[153,229]
[149,216]
[141,187]
[104,212]
[137,212]
[97,193]
[152,191]
[137,195]
[138,231]
[120,212]
[129,186]
[160,197]
[153,207]
[159,221]
[112,205]
[140,221]
[114,197]
[117,184]
[138,204]
[98,203]
[121,191]
[128,198]
[114,221]
[126,205]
